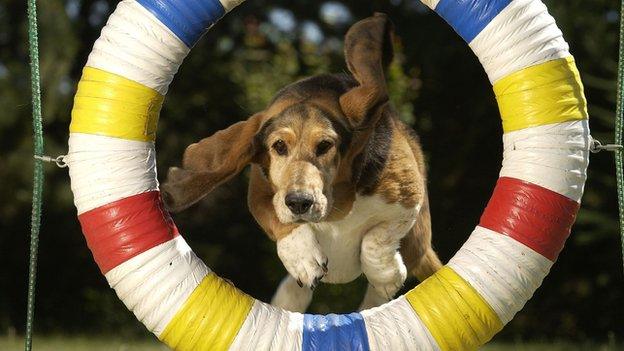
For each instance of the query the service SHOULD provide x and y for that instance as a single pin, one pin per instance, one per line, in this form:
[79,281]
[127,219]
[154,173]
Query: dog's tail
[429,264]
[419,257]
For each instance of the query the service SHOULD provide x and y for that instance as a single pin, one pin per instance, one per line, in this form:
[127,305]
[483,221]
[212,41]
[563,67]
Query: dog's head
[306,139]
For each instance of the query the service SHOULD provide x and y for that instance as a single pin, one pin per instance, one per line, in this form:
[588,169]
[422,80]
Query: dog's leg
[381,262]
[372,299]
[301,254]
[290,296]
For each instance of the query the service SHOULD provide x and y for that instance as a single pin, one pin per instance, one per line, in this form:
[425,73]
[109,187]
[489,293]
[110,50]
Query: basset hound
[337,180]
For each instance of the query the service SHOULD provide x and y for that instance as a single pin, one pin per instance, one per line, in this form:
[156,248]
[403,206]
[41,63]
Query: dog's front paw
[388,278]
[302,256]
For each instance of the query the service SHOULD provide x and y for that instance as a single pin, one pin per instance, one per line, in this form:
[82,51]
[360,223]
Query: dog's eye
[280,147]
[323,147]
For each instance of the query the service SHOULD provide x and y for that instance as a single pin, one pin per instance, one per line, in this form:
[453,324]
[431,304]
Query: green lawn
[559,346]
[82,343]
[100,343]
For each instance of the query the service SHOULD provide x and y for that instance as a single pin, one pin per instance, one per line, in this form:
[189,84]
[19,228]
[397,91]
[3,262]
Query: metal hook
[58,160]
[596,146]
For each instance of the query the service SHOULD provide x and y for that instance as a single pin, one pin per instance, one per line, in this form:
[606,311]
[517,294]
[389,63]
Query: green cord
[35,219]
[619,120]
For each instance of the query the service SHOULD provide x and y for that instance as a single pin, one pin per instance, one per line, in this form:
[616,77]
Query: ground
[101,343]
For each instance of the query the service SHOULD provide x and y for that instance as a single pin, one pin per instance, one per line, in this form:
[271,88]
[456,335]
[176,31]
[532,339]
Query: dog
[337,180]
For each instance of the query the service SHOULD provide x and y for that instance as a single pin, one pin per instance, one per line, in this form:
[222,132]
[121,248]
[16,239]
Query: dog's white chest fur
[341,240]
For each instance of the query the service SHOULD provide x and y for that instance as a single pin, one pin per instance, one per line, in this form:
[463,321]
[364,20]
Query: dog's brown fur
[372,152]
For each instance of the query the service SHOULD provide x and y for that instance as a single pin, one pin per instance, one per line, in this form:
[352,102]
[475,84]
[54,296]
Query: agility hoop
[135,243]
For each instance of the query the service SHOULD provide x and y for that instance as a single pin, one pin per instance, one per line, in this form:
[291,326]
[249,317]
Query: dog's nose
[298,202]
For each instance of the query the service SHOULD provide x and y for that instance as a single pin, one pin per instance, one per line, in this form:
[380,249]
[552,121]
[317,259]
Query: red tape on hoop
[120,230]
[535,216]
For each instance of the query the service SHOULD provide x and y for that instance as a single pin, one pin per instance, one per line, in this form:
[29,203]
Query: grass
[81,343]
[556,346]
[112,343]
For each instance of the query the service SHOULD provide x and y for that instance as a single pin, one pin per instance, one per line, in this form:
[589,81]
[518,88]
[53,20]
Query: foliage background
[232,72]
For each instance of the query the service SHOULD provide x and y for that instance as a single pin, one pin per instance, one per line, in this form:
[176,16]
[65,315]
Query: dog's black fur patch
[309,87]
[368,165]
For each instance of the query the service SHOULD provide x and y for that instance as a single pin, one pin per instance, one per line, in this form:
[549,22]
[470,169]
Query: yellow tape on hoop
[210,318]
[111,105]
[453,311]
[547,93]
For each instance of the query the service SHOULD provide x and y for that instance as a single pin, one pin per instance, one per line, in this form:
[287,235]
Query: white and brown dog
[336,180]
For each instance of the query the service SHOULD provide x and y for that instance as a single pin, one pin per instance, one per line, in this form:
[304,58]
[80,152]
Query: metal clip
[596,146]
[59,160]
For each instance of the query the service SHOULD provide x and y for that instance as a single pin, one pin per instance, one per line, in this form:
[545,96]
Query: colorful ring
[155,273]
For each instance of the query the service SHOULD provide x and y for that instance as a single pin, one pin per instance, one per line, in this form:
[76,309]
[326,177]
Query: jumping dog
[337,180]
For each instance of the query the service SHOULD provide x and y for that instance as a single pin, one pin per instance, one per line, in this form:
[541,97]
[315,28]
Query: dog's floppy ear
[368,52]
[210,162]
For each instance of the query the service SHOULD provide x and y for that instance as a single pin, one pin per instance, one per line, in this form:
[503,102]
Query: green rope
[619,120]
[35,219]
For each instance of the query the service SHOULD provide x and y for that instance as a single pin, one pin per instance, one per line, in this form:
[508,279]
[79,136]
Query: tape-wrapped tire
[156,274]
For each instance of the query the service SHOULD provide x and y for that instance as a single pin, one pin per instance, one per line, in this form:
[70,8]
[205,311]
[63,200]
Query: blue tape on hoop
[469,17]
[187,19]
[334,332]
